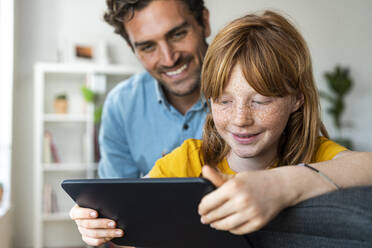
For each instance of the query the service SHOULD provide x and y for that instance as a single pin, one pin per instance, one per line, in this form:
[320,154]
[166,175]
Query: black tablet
[156,212]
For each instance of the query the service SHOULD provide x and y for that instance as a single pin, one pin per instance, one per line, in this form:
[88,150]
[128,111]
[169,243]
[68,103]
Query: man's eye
[179,35]
[147,48]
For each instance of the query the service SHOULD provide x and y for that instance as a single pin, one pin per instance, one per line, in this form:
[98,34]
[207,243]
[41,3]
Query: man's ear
[206,23]
[299,101]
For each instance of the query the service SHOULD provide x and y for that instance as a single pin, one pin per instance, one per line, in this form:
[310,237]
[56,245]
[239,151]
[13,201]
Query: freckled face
[251,123]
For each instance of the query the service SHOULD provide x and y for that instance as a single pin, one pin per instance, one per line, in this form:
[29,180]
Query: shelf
[56,167]
[56,217]
[67,118]
[84,68]
[72,135]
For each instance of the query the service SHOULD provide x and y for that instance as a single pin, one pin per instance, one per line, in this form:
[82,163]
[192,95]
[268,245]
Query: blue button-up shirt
[139,126]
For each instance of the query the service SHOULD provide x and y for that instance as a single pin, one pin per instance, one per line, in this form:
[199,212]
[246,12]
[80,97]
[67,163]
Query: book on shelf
[1,192]
[50,149]
[50,204]
[47,154]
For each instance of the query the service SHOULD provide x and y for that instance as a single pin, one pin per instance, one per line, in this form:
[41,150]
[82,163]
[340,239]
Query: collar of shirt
[160,96]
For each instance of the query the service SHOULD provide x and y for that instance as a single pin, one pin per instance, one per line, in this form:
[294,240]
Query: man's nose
[168,55]
[242,115]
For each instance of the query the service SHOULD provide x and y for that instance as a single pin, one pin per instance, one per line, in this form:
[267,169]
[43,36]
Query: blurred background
[39,36]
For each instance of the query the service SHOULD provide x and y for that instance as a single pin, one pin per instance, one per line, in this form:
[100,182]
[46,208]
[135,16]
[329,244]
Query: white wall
[6,232]
[337,31]
[6,86]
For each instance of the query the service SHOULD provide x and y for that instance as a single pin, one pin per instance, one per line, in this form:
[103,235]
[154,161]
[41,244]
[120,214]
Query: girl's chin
[244,154]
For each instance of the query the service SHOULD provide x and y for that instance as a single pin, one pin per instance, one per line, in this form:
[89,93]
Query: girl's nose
[242,115]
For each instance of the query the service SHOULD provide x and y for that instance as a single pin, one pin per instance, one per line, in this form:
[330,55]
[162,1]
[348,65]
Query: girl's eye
[261,101]
[223,101]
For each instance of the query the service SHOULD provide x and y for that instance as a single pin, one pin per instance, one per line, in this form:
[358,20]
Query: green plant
[93,98]
[98,114]
[88,94]
[340,83]
[62,96]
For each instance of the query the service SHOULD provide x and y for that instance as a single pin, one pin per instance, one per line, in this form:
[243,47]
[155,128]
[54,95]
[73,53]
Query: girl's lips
[245,139]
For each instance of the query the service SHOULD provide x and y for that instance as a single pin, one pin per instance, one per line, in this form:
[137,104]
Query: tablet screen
[153,212]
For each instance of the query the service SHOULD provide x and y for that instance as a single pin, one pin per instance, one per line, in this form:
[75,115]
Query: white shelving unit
[73,137]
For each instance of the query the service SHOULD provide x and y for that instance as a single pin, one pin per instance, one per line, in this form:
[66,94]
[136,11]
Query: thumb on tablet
[215,176]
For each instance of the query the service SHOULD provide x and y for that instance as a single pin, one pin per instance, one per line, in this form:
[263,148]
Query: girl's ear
[299,101]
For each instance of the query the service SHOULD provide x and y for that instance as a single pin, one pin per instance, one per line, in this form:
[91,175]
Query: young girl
[264,121]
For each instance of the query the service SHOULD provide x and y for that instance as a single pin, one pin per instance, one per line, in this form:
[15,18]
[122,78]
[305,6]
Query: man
[151,113]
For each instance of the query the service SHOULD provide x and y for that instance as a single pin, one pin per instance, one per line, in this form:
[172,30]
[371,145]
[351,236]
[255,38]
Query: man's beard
[194,87]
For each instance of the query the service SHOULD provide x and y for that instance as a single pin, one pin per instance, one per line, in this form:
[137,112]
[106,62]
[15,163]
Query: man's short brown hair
[119,11]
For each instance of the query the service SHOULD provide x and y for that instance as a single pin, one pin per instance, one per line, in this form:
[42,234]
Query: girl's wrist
[300,183]
[288,186]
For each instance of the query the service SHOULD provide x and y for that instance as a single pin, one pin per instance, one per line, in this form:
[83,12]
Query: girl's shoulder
[327,149]
[184,161]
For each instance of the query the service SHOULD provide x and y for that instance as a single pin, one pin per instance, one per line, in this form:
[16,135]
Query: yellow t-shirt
[187,161]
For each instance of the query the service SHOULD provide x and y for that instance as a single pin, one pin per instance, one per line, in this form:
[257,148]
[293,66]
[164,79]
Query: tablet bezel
[165,208]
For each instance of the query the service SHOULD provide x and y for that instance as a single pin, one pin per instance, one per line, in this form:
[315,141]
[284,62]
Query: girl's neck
[239,164]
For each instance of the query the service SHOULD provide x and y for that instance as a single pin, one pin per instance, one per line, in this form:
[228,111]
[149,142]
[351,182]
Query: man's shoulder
[132,87]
